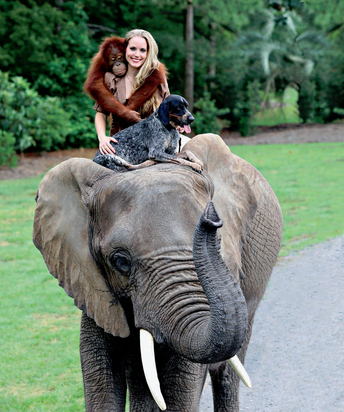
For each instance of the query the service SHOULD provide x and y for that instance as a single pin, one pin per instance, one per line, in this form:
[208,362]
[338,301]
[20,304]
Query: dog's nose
[190,118]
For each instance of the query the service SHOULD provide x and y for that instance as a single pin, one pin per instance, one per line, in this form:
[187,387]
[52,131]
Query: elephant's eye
[122,264]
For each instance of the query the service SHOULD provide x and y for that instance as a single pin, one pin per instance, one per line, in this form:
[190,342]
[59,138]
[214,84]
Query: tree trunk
[189,84]
[212,65]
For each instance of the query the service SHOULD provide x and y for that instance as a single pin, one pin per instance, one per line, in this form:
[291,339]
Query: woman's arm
[105,146]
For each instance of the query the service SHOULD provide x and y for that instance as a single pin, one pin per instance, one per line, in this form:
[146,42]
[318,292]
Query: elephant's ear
[60,232]
[233,197]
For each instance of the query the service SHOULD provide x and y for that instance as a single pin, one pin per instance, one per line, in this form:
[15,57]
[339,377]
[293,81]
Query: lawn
[39,359]
[39,325]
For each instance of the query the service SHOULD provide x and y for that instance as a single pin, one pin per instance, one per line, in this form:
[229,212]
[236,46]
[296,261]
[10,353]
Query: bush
[306,101]
[249,104]
[82,132]
[33,120]
[206,116]
[7,152]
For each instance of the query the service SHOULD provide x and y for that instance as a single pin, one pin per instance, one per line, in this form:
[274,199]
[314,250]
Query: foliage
[206,115]
[276,43]
[81,132]
[33,120]
[7,142]
[283,109]
[282,47]
[248,106]
[331,90]
[47,45]
[307,101]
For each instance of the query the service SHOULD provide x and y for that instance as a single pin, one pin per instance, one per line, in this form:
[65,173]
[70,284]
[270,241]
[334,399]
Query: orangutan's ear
[61,234]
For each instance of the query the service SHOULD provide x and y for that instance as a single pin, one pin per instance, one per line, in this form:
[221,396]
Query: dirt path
[296,354]
[35,164]
[38,163]
[285,134]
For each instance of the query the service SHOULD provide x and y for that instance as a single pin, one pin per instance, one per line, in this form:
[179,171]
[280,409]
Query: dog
[153,140]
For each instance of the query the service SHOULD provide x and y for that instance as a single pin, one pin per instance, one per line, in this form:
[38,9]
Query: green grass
[39,325]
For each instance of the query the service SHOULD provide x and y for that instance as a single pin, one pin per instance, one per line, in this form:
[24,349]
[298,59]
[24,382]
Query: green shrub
[33,120]
[306,101]
[7,152]
[248,105]
[82,132]
[52,123]
[206,116]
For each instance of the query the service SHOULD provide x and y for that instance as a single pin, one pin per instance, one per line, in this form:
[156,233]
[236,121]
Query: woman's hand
[104,141]
[105,146]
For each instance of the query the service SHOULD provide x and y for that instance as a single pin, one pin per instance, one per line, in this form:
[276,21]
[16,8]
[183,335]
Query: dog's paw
[197,167]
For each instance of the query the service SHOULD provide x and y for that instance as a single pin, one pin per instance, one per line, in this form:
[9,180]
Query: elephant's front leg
[225,384]
[103,368]
[181,381]
[225,381]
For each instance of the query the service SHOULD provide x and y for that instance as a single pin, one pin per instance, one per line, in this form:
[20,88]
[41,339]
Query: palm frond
[307,64]
[269,28]
[290,24]
[265,53]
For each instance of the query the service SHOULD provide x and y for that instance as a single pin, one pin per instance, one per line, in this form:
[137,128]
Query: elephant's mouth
[151,374]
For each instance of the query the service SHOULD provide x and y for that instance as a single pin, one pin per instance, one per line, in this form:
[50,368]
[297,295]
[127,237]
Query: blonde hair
[151,63]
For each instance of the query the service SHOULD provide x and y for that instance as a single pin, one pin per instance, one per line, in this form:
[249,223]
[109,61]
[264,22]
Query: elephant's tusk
[240,370]
[149,367]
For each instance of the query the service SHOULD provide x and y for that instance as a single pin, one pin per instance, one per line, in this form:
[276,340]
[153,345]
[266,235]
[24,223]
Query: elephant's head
[141,249]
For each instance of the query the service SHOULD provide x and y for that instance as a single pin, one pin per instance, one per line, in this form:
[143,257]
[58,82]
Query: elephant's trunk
[220,334]
[211,336]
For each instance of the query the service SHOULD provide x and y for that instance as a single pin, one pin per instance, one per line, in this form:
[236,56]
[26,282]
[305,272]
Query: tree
[189,41]
[47,45]
[32,120]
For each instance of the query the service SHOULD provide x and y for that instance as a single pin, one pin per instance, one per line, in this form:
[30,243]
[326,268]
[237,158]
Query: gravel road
[296,355]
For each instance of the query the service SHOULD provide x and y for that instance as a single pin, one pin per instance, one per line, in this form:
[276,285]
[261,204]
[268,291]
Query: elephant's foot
[225,385]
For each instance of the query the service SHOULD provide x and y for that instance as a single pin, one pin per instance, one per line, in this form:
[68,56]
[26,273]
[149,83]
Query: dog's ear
[185,102]
[164,112]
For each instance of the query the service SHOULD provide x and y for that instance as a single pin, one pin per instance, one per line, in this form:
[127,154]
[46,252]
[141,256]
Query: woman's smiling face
[136,52]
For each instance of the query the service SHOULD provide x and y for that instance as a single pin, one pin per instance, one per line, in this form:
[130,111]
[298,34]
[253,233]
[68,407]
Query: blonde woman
[138,93]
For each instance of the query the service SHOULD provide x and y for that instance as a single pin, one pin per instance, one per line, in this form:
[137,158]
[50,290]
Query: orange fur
[95,87]
[94,84]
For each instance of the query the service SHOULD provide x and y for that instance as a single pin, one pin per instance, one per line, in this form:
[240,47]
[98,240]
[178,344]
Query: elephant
[162,260]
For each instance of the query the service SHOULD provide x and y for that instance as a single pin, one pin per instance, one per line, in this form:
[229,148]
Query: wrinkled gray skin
[126,248]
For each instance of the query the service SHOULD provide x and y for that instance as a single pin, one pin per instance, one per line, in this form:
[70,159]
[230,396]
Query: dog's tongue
[187,128]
